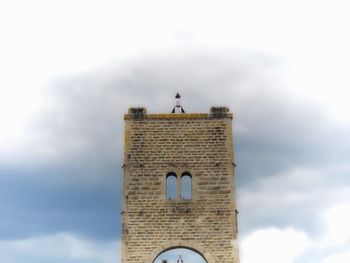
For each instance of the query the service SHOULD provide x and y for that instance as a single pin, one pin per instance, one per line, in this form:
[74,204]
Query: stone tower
[163,152]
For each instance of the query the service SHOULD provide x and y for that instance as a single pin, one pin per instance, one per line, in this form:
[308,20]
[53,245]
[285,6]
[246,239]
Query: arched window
[186,186]
[171,185]
[180,255]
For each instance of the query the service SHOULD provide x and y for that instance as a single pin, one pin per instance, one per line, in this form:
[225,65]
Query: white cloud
[64,247]
[273,245]
[343,257]
[329,245]
[338,218]
[42,40]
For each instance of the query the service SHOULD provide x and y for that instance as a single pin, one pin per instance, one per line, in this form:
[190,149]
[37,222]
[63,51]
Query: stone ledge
[141,113]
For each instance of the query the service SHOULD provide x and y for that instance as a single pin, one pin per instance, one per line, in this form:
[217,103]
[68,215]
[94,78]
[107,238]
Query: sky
[71,69]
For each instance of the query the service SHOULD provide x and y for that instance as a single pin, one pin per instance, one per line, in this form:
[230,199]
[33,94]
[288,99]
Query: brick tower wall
[201,144]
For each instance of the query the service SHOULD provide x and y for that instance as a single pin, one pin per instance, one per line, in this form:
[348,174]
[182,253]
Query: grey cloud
[274,131]
[87,114]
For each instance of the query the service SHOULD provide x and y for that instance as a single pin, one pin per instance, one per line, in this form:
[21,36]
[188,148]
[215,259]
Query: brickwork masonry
[200,144]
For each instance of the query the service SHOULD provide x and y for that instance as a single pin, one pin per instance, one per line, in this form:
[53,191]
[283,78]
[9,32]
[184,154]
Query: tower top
[179,186]
[141,113]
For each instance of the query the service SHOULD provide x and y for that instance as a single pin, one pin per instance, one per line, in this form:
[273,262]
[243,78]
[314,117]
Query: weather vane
[178,108]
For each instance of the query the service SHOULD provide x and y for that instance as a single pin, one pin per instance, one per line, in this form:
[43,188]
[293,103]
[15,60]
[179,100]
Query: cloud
[266,245]
[343,257]
[84,111]
[76,141]
[61,247]
[61,115]
[338,218]
[330,244]
[297,197]
[273,245]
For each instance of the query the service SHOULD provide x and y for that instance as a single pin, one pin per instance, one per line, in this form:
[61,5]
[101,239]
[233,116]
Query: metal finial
[178,108]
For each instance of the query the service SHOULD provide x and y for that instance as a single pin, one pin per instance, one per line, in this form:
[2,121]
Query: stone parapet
[141,113]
